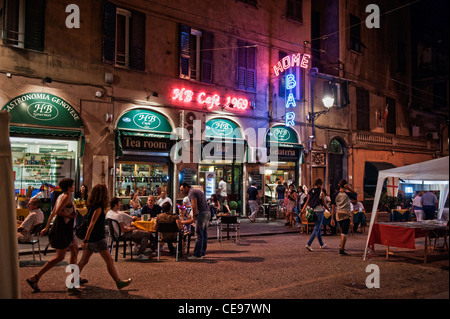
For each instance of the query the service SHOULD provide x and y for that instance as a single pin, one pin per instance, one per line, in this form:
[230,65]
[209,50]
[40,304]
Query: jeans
[201,229]
[318,218]
[429,211]
[253,205]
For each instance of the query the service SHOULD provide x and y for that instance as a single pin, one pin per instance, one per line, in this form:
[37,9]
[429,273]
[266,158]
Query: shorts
[98,246]
[345,226]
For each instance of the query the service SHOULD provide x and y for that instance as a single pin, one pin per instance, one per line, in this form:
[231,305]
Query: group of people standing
[295,202]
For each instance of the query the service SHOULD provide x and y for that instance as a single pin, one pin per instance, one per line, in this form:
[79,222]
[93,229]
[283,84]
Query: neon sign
[290,61]
[207,100]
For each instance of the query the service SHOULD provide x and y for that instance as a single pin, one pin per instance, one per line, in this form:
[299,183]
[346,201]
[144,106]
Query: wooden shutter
[362,110]
[207,57]
[185,33]
[137,41]
[241,65]
[391,121]
[109,32]
[11,34]
[34,24]
[251,69]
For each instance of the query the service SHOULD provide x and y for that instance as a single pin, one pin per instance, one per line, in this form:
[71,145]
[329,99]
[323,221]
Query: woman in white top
[417,206]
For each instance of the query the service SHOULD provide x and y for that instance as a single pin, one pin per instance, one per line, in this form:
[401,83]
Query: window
[355,34]
[123,37]
[196,55]
[246,66]
[299,75]
[294,10]
[362,110]
[24,24]
[391,121]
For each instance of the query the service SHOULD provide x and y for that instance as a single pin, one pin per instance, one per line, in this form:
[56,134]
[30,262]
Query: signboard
[145,121]
[210,183]
[188,175]
[43,109]
[209,101]
[221,128]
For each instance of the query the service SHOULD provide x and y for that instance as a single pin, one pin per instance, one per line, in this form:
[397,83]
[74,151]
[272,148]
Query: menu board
[210,183]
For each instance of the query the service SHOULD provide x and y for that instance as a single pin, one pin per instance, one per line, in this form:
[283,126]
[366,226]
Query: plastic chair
[168,228]
[35,234]
[117,239]
[228,224]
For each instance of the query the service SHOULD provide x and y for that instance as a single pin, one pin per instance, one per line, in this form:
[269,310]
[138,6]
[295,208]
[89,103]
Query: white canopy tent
[430,171]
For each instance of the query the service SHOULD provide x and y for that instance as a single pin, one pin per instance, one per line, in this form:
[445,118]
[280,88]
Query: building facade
[146,95]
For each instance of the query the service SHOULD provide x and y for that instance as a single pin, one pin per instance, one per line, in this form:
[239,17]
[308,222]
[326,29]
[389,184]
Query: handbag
[81,230]
[309,214]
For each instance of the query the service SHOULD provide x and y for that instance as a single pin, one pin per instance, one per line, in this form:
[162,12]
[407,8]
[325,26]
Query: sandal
[33,284]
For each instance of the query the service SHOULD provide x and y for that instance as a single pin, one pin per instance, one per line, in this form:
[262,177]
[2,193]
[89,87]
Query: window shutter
[185,33]
[109,32]
[251,69]
[34,24]
[137,41]
[241,65]
[207,57]
[12,23]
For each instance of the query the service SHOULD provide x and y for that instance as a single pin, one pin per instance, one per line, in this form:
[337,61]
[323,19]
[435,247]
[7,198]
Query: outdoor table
[404,234]
[270,208]
[145,225]
[227,220]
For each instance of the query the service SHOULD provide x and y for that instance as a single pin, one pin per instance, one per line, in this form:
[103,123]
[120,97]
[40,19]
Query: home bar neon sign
[209,101]
[293,60]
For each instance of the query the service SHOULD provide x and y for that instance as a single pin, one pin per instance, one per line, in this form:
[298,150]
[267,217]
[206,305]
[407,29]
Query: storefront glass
[38,161]
[144,178]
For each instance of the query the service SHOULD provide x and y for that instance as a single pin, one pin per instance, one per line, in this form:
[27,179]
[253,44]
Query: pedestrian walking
[341,211]
[222,191]
[252,198]
[61,236]
[301,200]
[95,241]
[316,201]
[280,190]
[417,206]
[201,213]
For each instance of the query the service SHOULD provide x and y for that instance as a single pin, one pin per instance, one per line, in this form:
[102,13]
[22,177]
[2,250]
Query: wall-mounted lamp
[8,75]
[154,94]
[99,94]
[47,80]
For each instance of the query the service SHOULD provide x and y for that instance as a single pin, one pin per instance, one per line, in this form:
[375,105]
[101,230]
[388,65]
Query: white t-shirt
[358,206]
[223,188]
[120,217]
[417,201]
[161,201]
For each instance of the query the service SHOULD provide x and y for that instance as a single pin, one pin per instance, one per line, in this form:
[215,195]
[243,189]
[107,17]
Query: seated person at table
[135,205]
[151,208]
[140,237]
[187,220]
[359,214]
[167,217]
[163,199]
[35,217]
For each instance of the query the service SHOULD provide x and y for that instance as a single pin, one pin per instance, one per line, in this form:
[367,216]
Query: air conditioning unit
[257,154]
[188,118]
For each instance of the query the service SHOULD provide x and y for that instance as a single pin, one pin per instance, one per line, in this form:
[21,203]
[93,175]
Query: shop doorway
[337,163]
[231,173]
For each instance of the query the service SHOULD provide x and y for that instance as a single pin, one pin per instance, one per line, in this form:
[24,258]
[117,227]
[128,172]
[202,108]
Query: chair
[117,239]
[168,228]
[35,234]
[305,224]
[229,224]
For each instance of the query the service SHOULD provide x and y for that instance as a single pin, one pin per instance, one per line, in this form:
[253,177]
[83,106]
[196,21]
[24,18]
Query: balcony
[382,141]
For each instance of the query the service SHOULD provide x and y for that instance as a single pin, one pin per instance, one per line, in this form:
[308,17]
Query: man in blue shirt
[252,197]
[281,190]
[429,205]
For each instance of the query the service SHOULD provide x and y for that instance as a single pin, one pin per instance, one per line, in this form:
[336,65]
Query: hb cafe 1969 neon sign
[209,101]
[290,61]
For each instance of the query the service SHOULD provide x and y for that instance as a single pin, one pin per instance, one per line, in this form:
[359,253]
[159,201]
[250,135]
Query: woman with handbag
[95,241]
[61,235]
[316,201]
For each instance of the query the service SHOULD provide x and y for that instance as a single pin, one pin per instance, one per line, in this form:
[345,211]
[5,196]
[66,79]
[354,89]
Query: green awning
[220,128]
[42,109]
[282,135]
[144,121]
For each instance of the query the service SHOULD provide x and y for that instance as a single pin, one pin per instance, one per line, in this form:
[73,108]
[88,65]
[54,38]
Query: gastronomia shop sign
[42,109]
